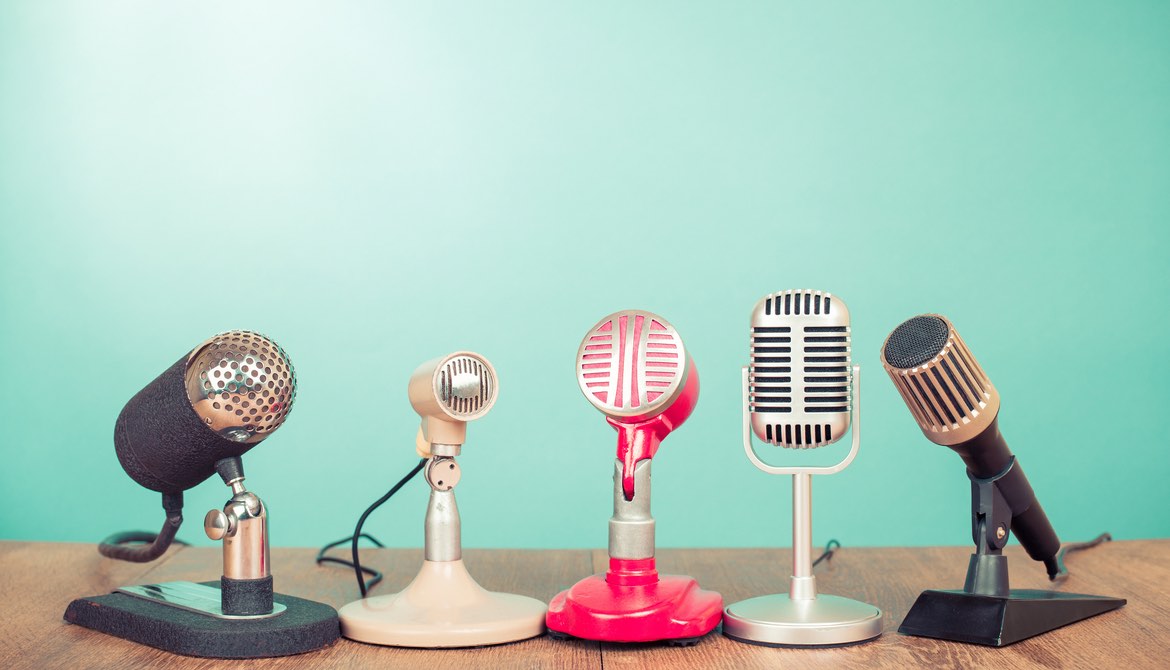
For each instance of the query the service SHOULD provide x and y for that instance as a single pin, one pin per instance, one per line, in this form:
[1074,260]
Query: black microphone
[199,416]
[196,419]
[955,405]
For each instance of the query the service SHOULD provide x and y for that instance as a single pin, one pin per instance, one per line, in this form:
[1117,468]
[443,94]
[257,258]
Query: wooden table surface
[37,581]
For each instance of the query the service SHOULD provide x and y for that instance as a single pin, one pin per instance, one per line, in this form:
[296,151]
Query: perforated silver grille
[241,384]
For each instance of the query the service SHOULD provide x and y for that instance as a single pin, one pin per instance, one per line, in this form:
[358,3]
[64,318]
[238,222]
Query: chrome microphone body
[800,378]
[800,385]
[799,393]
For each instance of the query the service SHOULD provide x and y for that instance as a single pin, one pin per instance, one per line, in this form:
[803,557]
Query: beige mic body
[444,606]
[448,392]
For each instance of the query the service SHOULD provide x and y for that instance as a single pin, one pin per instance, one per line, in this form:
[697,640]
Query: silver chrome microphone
[800,382]
[801,391]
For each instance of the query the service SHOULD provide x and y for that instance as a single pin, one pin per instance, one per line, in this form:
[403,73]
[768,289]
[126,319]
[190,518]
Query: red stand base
[633,603]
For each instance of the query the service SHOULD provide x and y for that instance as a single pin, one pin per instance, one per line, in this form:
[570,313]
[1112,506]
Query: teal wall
[374,185]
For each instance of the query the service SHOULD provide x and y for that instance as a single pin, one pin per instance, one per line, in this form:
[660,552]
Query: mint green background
[374,185]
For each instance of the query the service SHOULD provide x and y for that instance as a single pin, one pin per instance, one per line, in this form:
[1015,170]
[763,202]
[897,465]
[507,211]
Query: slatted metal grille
[800,376]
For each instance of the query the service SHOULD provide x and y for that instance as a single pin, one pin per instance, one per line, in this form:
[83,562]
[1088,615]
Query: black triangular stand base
[305,626]
[998,621]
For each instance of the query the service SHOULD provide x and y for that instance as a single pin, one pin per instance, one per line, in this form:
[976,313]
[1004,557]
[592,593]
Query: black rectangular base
[998,622]
[305,626]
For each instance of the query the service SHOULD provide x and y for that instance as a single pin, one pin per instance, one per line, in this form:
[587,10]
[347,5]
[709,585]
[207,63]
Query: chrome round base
[779,620]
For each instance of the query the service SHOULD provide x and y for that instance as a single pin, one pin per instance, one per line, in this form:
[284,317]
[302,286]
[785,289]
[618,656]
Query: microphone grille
[946,390]
[241,385]
[800,377]
[916,341]
[632,364]
[465,385]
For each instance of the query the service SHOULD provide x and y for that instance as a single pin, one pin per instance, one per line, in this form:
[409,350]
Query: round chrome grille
[241,384]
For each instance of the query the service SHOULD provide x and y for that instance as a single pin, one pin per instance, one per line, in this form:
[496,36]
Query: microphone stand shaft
[804,584]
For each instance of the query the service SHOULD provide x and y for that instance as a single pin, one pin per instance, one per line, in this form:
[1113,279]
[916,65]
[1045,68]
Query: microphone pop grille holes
[241,385]
[916,341]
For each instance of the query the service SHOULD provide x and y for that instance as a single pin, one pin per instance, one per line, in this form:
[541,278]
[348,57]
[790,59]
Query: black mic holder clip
[987,611]
[991,523]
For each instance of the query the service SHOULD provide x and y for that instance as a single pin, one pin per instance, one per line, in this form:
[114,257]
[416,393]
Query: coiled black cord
[128,546]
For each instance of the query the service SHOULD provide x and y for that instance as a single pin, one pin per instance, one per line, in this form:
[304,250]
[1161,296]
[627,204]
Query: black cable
[375,575]
[357,533]
[830,549]
[1062,573]
[126,546]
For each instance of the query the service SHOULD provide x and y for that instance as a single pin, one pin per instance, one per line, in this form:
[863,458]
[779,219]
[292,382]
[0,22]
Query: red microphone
[633,367]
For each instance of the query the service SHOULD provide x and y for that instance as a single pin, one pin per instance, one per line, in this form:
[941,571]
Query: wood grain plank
[38,580]
[539,574]
[891,578]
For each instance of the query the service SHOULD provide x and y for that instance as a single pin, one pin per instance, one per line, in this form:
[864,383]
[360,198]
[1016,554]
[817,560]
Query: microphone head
[632,366]
[448,392]
[947,392]
[241,385]
[216,402]
[457,387]
[800,379]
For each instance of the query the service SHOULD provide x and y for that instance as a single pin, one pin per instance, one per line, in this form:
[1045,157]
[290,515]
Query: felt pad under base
[305,626]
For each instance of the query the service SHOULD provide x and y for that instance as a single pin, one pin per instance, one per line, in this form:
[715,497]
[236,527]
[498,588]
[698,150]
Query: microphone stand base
[302,626]
[654,608]
[779,621]
[443,607]
[998,621]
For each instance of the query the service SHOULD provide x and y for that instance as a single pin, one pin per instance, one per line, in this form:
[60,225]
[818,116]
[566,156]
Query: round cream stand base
[823,621]
[443,607]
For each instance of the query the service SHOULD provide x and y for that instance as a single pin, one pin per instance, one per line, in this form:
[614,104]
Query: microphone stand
[443,606]
[802,617]
[238,617]
[631,601]
[987,611]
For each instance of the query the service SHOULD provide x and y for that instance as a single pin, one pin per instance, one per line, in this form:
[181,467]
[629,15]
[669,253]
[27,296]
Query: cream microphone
[446,393]
[444,606]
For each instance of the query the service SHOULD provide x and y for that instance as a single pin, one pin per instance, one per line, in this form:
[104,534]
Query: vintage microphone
[955,405]
[198,418]
[444,606]
[633,367]
[800,392]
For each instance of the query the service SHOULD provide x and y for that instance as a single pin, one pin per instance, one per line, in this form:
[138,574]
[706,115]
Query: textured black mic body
[218,401]
[160,440]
